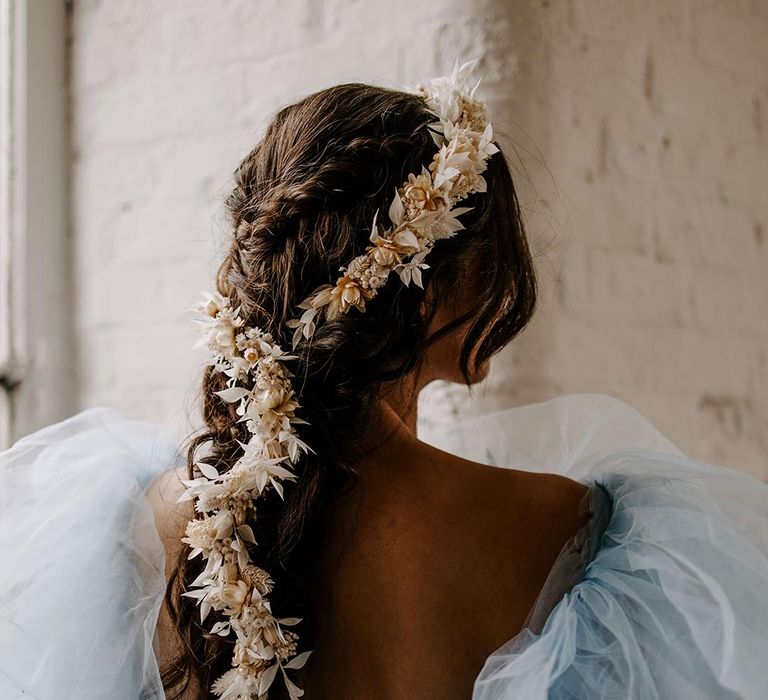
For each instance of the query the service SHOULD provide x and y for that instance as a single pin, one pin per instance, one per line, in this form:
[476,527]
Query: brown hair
[301,208]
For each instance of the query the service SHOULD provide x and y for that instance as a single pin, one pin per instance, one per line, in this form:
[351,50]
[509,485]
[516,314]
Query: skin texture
[428,567]
[171,520]
[431,568]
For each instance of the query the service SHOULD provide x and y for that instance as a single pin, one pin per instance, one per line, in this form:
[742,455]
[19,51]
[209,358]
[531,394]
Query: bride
[307,541]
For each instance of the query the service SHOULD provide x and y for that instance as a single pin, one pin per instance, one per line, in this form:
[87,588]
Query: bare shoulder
[550,499]
[465,548]
[171,520]
[171,517]
[533,514]
[506,528]
[515,499]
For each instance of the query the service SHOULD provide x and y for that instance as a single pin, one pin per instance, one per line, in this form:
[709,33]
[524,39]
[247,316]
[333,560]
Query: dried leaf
[232,394]
[207,470]
[267,677]
[396,210]
[298,661]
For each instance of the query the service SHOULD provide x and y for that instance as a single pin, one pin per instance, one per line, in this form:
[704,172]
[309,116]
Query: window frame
[37,361]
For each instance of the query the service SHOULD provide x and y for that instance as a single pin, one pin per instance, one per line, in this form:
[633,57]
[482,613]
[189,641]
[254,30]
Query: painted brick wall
[644,154]
[641,139]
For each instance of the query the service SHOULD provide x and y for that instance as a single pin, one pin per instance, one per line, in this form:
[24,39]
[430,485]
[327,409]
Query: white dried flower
[423,209]
[258,382]
[421,212]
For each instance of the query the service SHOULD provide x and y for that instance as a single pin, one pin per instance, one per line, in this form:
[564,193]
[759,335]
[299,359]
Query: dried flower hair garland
[422,212]
[259,383]
[422,209]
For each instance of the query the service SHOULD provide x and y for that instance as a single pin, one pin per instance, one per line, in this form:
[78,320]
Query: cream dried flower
[259,384]
[423,209]
[421,193]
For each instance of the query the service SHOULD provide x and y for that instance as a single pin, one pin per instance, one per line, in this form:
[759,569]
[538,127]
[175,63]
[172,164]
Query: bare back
[431,565]
[423,578]
[428,567]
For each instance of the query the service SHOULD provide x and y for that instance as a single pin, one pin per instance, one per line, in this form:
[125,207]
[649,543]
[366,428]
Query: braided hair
[301,207]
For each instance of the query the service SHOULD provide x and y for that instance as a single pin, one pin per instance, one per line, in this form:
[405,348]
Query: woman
[312,543]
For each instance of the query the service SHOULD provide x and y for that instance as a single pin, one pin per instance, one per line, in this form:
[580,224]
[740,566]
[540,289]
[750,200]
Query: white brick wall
[642,133]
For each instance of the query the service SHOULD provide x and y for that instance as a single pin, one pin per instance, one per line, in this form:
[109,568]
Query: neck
[395,417]
[400,403]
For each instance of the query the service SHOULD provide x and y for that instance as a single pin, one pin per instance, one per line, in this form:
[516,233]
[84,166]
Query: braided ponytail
[301,208]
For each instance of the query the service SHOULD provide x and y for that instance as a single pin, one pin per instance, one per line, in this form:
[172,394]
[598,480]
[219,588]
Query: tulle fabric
[672,597]
[81,563]
[663,595]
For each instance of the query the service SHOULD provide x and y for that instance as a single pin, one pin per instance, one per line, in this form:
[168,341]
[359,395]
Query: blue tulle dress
[663,594]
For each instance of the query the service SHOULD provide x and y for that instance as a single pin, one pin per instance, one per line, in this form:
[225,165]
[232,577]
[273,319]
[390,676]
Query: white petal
[221,628]
[207,470]
[195,594]
[396,210]
[297,336]
[267,677]
[407,238]
[298,661]
[308,315]
[293,690]
[374,234]
[205,608]
[290,621]
[232,394]
[455,71]
[246,532]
